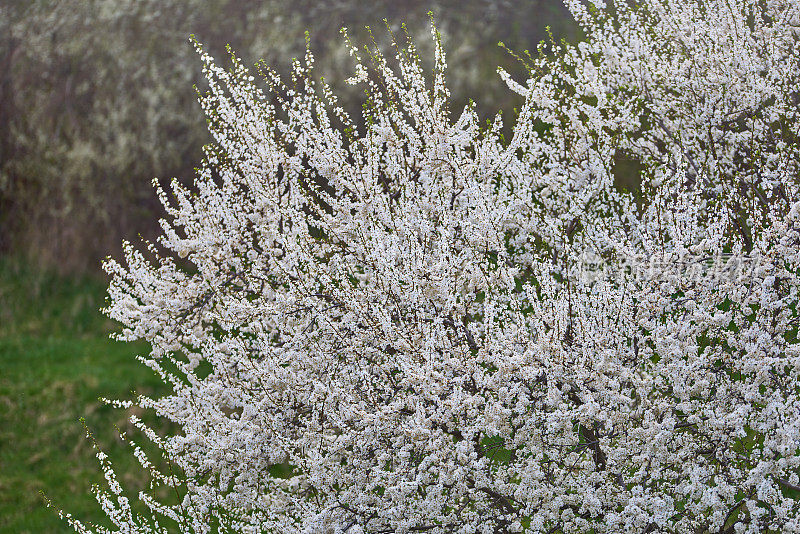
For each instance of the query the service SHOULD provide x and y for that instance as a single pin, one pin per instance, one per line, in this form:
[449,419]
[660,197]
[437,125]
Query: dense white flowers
[388,325]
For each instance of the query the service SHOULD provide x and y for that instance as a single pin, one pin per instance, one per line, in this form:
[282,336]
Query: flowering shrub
[418,325]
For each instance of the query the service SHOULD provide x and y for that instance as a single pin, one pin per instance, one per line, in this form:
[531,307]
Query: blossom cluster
[382,324]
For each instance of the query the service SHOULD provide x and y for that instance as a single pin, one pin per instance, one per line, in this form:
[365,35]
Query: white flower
[394,332]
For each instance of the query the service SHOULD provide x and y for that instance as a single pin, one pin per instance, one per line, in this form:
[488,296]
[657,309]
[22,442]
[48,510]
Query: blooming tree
[413,323]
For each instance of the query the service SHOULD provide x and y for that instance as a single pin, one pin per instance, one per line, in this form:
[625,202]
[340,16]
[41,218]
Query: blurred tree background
[96,96]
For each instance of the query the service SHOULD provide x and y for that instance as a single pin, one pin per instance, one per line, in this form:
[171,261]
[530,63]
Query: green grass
[55,362]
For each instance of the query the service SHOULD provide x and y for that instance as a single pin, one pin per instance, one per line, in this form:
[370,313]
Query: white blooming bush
[413,323]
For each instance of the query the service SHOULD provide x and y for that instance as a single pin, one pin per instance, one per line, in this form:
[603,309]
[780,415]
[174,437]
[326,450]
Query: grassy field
[55,362]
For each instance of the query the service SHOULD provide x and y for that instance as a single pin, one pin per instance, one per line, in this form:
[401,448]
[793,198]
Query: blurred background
[97,100]
[96,96]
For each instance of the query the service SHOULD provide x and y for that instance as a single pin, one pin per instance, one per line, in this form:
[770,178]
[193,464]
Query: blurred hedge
[96,96]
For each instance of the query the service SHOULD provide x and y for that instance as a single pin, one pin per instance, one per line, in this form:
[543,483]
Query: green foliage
[56,361]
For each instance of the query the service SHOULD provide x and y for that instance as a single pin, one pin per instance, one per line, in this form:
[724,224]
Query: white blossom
[399,314]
